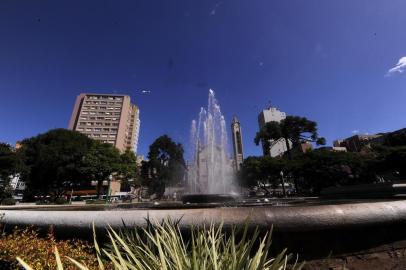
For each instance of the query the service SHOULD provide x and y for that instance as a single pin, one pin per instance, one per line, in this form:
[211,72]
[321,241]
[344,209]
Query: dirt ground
[388,260]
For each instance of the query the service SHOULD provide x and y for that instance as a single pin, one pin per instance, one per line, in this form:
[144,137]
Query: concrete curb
[282,218]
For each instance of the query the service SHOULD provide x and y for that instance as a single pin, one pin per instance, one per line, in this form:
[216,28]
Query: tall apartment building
[110,118]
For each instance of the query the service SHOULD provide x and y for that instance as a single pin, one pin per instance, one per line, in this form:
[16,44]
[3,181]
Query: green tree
[54,161]
[320,169]
[166,165]
[101,163]
[396,138]
[10,166]
[293,128]
[390,161]
[263,172]
[128,170]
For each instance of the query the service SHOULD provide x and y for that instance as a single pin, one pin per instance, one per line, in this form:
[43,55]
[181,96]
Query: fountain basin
[282,218]
[311,230]
[208,198]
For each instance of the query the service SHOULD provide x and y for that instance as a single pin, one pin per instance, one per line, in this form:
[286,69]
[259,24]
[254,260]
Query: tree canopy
[262,172]
[58,160]
[318,169]
[100,162]
[10,165]
[166,164]
[128,170]
[54,161]
[293,128]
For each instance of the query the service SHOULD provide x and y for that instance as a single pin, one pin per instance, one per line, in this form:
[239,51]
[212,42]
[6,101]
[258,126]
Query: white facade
[269,115]
[16,183]
[277,147]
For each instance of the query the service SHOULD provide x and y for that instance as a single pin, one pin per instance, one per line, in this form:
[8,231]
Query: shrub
[163,247]
[96,201]
[38,252]
[61,200]
[8,201]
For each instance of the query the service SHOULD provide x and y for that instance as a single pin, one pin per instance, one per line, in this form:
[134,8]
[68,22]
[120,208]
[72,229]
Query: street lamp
[283,184]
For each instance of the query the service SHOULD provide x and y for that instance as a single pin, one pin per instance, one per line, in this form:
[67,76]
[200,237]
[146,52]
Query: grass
[162,246]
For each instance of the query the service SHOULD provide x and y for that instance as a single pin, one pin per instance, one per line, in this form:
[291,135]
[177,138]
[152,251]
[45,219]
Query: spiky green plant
[209,248]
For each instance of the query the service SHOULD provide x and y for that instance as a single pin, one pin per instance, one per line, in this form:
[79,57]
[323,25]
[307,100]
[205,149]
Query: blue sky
[326,60]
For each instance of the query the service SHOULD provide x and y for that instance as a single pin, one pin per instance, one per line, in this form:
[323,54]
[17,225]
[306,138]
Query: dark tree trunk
[99,187]
[289,152]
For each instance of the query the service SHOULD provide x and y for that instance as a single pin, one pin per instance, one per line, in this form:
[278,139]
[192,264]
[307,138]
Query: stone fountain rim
[294,219]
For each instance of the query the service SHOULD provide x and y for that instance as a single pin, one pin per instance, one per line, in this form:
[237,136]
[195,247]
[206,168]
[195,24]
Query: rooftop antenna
[269,104]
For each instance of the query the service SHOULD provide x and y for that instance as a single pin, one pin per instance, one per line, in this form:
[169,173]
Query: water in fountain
[211,171]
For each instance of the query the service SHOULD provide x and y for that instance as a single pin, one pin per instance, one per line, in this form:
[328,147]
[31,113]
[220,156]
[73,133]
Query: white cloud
[355,131]
[399,68]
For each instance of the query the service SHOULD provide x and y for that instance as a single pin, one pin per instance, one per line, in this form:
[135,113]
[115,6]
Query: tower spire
[237,143]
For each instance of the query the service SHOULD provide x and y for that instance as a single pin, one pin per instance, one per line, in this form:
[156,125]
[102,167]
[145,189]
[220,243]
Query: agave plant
[162,246]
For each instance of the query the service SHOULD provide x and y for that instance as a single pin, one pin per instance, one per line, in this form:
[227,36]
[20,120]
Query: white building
[277,147]
[269,115]
[17,184]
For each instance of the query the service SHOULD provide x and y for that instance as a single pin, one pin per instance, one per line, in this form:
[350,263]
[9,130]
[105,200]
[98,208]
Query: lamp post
[108,188]
[283,184]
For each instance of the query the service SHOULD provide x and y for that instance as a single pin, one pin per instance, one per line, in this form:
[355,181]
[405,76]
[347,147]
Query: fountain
[312,225]
[210,175]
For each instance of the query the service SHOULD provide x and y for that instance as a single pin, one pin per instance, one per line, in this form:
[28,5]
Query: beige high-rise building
[110,118]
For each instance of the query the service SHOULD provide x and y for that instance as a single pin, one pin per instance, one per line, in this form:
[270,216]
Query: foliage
[313,170]
[390,160]
[54,161]
[319,169]
[260,171]
[293,128]
[396,138]
[60,159]
[38,251]
[128,170]
[96,201]
[10,165]
[101,162]
[163,247]
[8,201]
[61,200]
[166,165]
